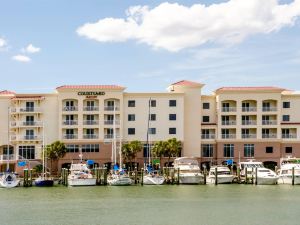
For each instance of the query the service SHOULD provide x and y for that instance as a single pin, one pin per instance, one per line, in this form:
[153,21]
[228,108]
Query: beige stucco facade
[232,123]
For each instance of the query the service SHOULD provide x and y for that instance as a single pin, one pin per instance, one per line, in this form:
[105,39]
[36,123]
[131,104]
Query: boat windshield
[264,171]
[187,162]
[189,171]
[252,165]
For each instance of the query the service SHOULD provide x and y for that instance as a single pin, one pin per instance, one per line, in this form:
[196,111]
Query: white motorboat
[9,180]
[80,175]
[286,170]
[119,179]
[224,175]
[189,170]
[153,178]
[264,175]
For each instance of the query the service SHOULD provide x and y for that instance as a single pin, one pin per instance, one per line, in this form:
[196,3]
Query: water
[151,205]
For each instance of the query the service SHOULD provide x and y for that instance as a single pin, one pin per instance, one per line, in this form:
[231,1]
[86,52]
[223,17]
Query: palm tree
[159,150]
[55,151]
[126,152]
[173,148]
[130,150]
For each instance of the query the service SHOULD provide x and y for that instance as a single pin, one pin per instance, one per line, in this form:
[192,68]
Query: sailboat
[8,179]
[151,177]
[44,180]
[118,176]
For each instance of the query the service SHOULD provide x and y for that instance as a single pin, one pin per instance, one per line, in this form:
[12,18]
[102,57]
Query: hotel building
[236,123]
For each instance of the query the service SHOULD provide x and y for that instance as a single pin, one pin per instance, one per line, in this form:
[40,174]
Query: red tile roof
[28,97]
[267,88]
[115,87]
[6,92]
[187,83]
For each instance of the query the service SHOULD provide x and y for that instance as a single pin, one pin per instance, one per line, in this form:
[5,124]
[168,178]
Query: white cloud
[3,43]
[174,27]
[31,49]
[21,58]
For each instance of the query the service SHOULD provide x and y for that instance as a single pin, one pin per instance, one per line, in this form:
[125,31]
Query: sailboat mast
[114,135]
[7,153]
[120,149]
[148,126]
[43,151]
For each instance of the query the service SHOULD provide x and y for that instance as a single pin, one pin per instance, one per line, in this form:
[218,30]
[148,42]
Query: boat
[189,170]
[224,175]
[286,170]
[9,180]
[264,175]
[80,175]
[151,177]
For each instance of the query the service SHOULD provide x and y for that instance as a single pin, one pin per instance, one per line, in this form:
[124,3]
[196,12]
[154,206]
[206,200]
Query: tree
[173,148]
[55,151]
[159,150]
[130,150]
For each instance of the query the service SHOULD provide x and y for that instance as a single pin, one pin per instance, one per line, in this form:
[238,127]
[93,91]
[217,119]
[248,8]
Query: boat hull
[44,183]
[119,181]
[153,180]
[267,180]
[288,179]
[9,181]
[191,179]
[221,179]
[82,182]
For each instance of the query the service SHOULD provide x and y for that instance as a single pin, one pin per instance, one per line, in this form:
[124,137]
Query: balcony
[70,136]
[268,136]
[269,122]
[248,136]
[6,157]
[70,108]
[269,109]
[90,108]
[249,109]
[229,122]
[25,110]
[90,136]
[111,108]
[289,136]
[70,122]
[111,122]
[228,136]
[90,122]
[26,123]
[228,109]
[111,136]
[26,137]
[208,136]
[249,122]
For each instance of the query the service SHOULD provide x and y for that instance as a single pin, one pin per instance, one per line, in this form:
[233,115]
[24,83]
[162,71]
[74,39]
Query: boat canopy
[186,161]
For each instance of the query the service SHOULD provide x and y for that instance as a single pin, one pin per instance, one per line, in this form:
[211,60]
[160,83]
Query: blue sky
[165,43]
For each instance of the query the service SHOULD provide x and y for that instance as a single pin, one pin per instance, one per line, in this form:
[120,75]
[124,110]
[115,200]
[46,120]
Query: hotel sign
[91,93]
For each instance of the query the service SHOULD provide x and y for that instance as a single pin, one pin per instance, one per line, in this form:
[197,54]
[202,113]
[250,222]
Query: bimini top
[106,87]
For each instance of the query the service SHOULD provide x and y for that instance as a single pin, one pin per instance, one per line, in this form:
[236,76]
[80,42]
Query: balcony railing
[90,122]
[249,109]
[26,123]
[289,136]
[7,157]
[269,122]
[70,122]
[266,136]
[228,109]
[90,136]
[228,136]
[110,136]
[70,108]
[229,122]
[26,137]
[208,136]
[248,136]
[24,109]
[90,108]
[111,108]
[111,122]
[70,136]
[269,109]
[249,122]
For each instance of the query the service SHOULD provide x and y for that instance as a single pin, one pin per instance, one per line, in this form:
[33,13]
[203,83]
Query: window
[131,117]
[269,149]
[229,150]
[205,119]
[152,130]
[207,150]
[29,134]
[152,117]
[131,131]
[11,150]
[146,148]
[131,103]
[153,103]
[27,152]
[29,106]
[172,116]
[289,150]
[72,148]
[90,148]
[172,130]
[205,105]
[286,118]
[172,103]
[286,105]
[248,150]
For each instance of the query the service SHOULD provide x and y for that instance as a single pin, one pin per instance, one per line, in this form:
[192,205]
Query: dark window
[172,130]
[249,150]
[286,105]
[11,150]
[172,116]
[131,117]
[289,150]
[269,149]
[205,105]
[172,103]
[131,103]
[207,150]
[152,117]
[152,130]
[205,119]
[131,131]
[146,148]
[72,148]
[286,118]
[229,150]
[27,152]
[90,148]
[153,103]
